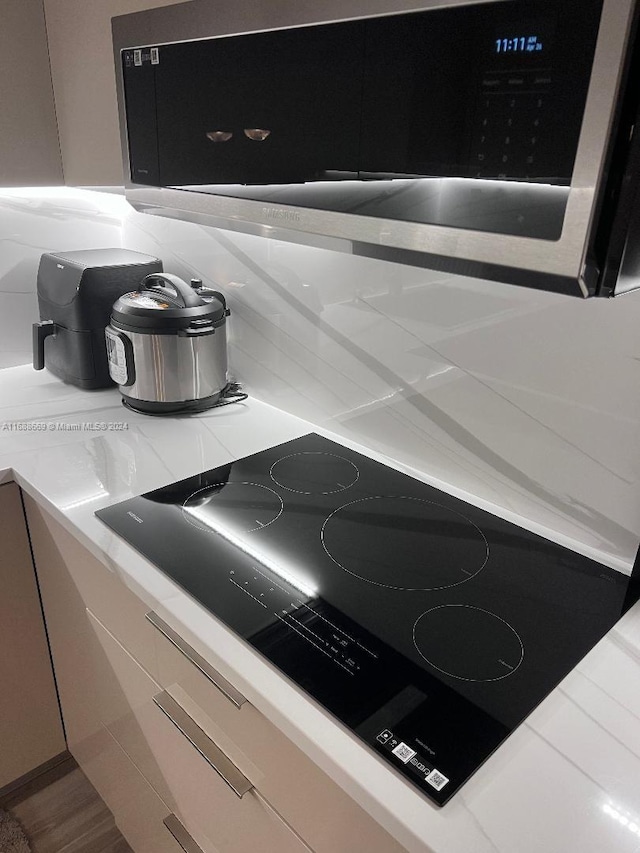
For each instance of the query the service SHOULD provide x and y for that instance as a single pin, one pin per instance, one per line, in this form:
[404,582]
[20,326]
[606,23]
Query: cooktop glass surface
[431,628]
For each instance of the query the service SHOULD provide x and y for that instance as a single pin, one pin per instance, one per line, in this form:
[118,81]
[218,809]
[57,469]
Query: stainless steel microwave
[493,139]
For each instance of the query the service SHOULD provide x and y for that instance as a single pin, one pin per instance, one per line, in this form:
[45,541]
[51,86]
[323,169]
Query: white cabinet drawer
[216,817]
[329,820]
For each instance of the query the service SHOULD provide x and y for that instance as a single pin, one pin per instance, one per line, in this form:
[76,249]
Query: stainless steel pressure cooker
[167,346]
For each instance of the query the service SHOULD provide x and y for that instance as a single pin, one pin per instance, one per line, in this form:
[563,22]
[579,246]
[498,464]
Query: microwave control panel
[513,133]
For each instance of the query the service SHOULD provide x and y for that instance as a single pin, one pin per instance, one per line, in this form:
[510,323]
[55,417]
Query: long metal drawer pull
[210,751]
[181,835]
[197,660]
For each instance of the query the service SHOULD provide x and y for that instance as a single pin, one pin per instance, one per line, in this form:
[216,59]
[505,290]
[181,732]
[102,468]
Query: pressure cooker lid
[166,301]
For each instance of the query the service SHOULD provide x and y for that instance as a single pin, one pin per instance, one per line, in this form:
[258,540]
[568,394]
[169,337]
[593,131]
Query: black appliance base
[96,384]
[151,407]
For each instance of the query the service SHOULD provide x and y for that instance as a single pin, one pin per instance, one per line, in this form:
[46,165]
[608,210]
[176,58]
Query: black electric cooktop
[431,628]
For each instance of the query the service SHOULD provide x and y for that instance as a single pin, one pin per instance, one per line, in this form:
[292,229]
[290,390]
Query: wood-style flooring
[66,815]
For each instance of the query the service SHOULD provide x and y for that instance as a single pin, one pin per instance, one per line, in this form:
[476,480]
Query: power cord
[231,394]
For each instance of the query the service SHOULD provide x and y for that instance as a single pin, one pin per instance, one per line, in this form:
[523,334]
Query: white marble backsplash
[526,400]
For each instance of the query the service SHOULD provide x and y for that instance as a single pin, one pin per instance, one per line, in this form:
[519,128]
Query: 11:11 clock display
[519,44]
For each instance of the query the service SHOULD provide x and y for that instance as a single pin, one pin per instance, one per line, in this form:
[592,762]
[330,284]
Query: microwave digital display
[520,44]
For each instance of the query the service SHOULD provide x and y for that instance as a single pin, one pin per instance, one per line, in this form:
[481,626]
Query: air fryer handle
[184,291]
[41,331]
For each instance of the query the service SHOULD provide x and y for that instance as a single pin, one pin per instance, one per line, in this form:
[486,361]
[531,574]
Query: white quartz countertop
[567,780]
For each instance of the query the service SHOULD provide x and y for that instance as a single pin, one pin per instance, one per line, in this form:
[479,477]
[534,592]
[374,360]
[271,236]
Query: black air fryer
[76,291]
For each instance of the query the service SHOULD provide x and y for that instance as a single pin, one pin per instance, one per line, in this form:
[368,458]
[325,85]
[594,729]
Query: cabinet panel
[214,815]
[79,580]
[138,811]
[67,626]
[29,146]
[30,726]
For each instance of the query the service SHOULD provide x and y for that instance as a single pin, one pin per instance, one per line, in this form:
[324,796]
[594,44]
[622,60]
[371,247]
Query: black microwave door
[263,108]
[199,105]
[414,107]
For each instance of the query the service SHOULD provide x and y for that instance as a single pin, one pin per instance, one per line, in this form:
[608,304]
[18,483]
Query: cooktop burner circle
[468,643]
[404,543]
[314,472]
[232,507]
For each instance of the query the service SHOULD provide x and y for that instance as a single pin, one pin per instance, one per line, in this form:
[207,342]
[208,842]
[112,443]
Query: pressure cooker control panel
[120,366]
